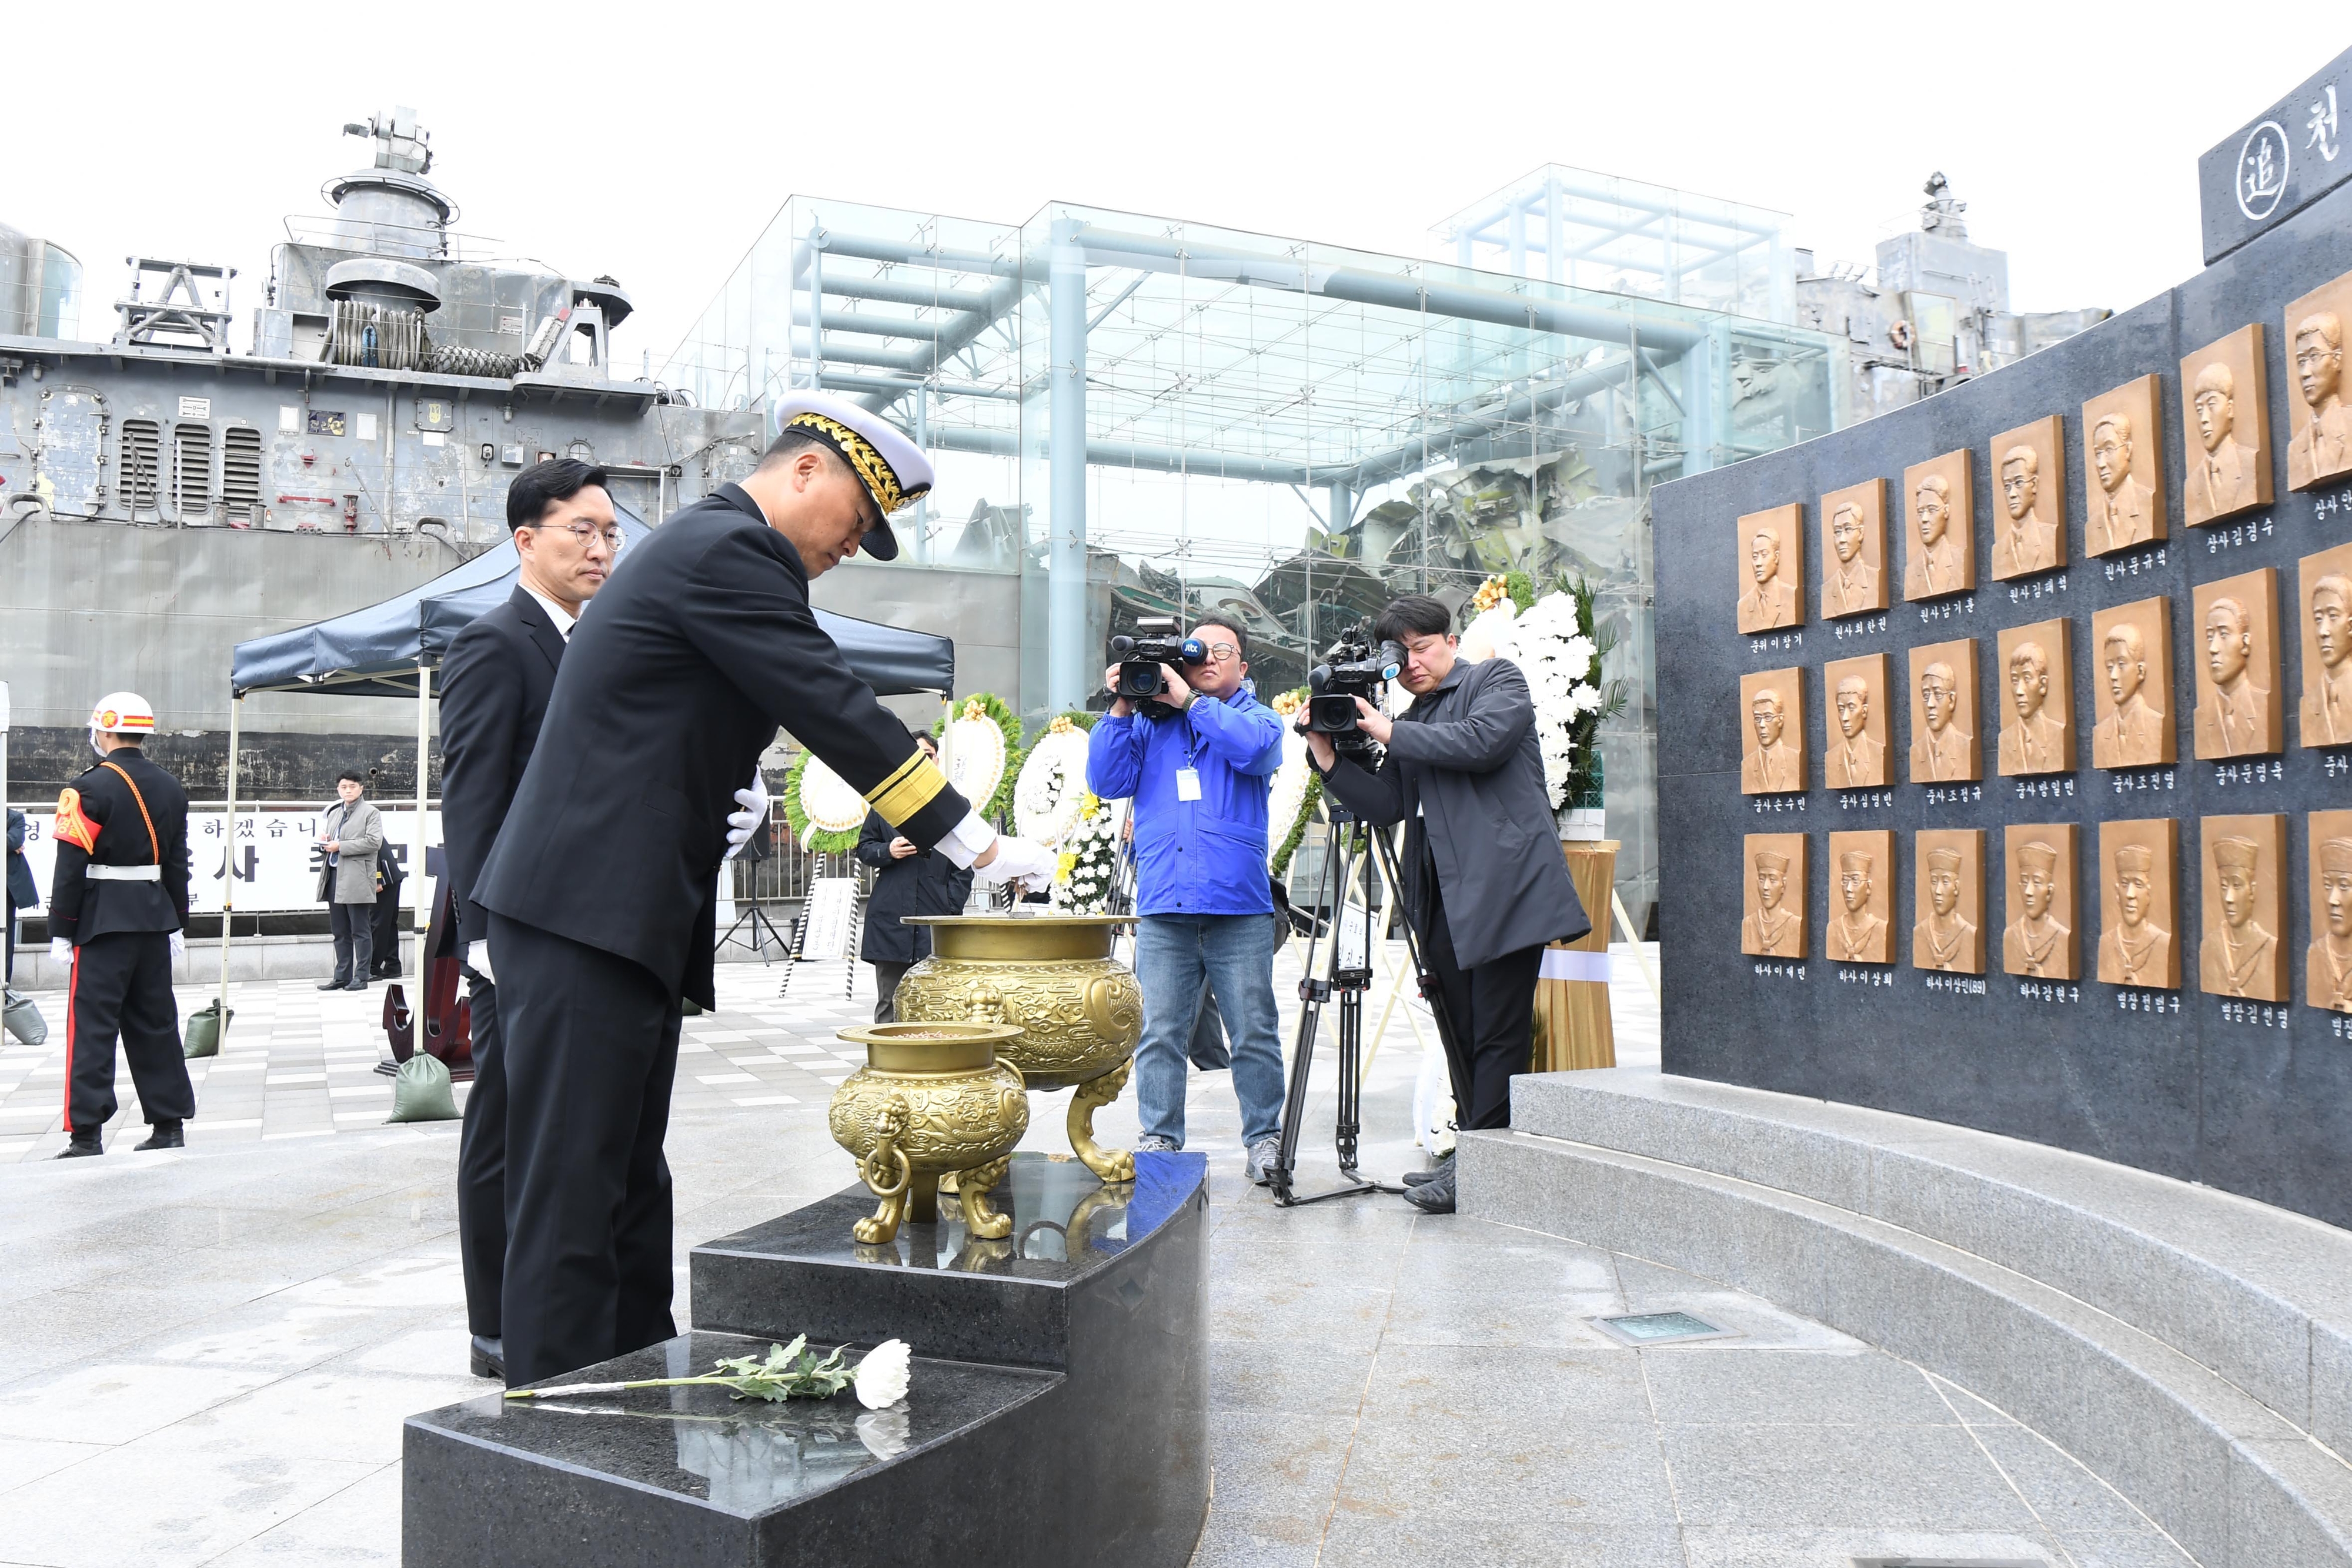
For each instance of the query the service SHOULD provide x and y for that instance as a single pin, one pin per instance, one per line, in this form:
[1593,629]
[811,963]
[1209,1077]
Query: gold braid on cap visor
[871,466]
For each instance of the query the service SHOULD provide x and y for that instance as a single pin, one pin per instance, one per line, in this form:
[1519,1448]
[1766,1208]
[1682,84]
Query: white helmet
[122,713]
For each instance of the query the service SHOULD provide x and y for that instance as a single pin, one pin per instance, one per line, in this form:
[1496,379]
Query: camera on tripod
[1140,658]
[1355,667]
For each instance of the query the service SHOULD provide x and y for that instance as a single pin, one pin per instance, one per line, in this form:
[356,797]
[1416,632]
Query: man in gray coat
[351,833]
[1486,883]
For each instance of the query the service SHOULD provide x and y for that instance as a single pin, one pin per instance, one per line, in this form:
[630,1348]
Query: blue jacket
[1195,857]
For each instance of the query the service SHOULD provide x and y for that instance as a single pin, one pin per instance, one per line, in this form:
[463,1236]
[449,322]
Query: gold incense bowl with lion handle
[1078,1010]
[933,1100]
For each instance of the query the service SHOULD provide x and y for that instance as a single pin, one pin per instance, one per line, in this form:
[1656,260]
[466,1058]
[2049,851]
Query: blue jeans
[1234,954]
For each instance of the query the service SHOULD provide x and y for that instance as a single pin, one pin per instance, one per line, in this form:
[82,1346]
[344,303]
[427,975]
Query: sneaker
[1262,1158]
[1153,1144]
[166,1135]
[1434,1195]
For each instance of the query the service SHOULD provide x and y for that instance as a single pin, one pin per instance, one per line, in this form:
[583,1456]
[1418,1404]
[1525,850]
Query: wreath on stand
[824,812]
[1088,864]
[980,748]
[1052,778]
[1297,788]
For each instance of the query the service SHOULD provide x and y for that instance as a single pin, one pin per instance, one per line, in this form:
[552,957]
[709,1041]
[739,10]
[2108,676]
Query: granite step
[2237,1481]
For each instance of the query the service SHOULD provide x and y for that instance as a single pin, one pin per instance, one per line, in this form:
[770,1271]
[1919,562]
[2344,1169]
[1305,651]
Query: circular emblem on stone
[2262,171]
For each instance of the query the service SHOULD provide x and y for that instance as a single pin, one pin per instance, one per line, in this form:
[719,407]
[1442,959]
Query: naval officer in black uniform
[602,887]
[495,682]
[118,905]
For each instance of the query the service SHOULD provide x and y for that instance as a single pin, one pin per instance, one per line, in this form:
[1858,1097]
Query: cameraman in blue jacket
[1199,778]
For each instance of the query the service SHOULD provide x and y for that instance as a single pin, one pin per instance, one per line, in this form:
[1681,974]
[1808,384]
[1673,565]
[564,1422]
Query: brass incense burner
[1080,1011]
[933,1100]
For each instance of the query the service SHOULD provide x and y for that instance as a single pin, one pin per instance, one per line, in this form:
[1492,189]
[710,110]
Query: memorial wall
[2006,742]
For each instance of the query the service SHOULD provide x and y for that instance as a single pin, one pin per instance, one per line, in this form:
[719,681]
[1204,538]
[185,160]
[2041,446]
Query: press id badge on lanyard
[1188,783]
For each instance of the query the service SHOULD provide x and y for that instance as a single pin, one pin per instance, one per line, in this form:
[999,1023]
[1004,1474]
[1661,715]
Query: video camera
[1139,659]
[1355,667]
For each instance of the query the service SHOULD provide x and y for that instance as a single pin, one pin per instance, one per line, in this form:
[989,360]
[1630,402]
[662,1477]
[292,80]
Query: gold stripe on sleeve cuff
[908,791]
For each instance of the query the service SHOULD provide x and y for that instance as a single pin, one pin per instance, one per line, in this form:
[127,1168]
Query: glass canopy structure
[1140,416]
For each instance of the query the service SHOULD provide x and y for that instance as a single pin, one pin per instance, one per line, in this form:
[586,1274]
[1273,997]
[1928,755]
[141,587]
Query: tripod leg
[1349,1123]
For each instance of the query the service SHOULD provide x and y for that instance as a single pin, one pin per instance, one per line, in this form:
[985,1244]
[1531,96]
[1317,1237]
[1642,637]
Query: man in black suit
[495,682]
[603,885]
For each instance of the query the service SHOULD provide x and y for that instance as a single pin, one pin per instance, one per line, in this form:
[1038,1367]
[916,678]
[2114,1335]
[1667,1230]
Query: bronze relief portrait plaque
[1772,903]
[2243,951]
[1939,553]
[1947,908]
[2323,604]
[2029,499]
[2039,940]
[2122,468]
[1861,898]
[2139,876]
[2037,698]
[2227,422]
[1856,756]
[1772,750]
[1773,569]
[2238,665]
[2321,447]
[1944,713]
[2132,684]
[1853,549]
[2328,969]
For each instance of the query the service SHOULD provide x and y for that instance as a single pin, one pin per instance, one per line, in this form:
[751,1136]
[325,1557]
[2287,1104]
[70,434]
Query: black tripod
[1348,859]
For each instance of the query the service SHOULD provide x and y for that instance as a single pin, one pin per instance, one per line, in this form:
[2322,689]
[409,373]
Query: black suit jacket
[99,822]
[1464,773]
[700,645]
[495,682]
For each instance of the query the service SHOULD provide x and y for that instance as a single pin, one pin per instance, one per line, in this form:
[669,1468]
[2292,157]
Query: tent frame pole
[416,866]
[228,861]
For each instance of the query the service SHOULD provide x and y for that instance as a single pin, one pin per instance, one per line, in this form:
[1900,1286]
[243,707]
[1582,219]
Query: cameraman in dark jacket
[907,880]
[1486,883]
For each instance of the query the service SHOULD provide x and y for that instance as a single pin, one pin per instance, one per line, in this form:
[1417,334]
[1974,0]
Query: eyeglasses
[1224,653]
[612,537]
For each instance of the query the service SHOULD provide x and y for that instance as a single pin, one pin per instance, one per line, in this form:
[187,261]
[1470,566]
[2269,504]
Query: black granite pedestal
[1058,1412]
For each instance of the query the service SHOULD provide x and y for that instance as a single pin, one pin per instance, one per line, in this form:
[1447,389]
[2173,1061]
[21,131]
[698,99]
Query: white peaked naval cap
[891,466]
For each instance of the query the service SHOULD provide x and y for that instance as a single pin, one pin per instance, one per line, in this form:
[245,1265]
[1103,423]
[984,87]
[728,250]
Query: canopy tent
[391,648]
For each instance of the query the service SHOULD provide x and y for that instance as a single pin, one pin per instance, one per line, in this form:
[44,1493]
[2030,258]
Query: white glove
[1017,860]
[478,958]
[743,824]
[179,946]
[60,950]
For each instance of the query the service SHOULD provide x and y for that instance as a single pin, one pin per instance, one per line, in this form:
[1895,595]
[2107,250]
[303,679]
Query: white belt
[123,872]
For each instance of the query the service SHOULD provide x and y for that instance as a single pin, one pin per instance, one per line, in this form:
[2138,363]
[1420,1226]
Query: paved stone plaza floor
[208,1352]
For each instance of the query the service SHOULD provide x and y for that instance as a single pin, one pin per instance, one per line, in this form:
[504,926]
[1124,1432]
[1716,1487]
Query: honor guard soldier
[602,887]
[118,906]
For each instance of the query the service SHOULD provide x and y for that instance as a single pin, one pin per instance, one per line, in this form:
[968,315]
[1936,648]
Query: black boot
[166,1135]
[83,1145]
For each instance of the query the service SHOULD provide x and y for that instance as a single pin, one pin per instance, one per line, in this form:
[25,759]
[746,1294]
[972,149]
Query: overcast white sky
[653,141]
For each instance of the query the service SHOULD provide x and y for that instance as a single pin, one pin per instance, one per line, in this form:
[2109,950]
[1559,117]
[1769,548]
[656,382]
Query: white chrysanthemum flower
[883,1375]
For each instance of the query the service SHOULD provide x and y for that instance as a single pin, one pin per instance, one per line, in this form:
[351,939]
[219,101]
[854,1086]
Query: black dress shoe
[357,986]
[1414,1178]
[81,1148]
[490,1358]
[166,1135]
[334,985]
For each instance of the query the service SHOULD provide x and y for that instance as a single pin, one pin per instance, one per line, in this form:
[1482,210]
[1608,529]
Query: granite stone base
[1058,1412]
